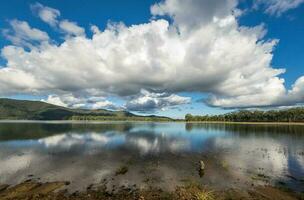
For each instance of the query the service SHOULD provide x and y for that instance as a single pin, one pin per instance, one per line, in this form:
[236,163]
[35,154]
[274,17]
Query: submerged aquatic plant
[121,170]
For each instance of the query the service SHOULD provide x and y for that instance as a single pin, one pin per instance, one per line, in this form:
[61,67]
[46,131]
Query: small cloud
[71,101]
[55,100]
[23,35]
[50,16]
[46,14]
[105,104]
[71,28]
[148,101]
[277,7]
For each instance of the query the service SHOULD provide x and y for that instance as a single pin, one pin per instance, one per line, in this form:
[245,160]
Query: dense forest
[284,115]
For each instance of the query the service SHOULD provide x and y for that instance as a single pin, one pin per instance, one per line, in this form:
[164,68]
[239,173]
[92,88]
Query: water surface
[156,154]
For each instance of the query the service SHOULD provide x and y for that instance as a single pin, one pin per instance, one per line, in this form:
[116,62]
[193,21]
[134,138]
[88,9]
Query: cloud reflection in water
[89,153]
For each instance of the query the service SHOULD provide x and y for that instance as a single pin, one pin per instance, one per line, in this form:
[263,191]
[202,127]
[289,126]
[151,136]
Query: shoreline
[138,121]
[246,123]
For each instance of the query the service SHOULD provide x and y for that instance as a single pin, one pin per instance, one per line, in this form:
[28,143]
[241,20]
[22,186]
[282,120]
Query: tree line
[284,115]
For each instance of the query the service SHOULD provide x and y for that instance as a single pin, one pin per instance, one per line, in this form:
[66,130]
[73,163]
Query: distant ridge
[12,109]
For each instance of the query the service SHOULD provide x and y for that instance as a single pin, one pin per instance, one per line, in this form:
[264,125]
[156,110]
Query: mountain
[11,109]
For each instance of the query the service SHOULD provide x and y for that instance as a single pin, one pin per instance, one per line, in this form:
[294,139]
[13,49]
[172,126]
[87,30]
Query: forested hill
[284,115]
[11,109]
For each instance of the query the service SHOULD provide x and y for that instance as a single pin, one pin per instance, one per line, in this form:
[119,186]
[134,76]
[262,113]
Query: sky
[164,57]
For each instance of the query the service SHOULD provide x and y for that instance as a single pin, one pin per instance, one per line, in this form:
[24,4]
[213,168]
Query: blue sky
[289,29]
[137,86]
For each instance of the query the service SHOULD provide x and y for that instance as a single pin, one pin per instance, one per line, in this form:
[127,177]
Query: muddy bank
[31,190]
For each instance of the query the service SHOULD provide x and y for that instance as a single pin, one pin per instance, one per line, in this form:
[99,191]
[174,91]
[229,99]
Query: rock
[141,198]
[201,168]
[202,165]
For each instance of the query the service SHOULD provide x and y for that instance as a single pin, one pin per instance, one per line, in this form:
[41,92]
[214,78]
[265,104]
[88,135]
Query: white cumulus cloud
[206,52]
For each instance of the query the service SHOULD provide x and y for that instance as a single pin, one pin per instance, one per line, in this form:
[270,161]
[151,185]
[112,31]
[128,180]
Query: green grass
[195,191]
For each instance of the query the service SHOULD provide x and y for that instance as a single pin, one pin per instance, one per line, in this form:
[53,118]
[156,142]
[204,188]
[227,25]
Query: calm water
[162,154]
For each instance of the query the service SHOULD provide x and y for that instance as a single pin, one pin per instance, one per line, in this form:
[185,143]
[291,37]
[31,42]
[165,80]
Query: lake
[161,154]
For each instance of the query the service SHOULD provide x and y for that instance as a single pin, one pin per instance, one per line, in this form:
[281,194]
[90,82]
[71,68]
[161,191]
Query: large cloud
[204,52]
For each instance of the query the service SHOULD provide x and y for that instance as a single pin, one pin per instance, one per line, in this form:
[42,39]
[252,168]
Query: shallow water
[155,154]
